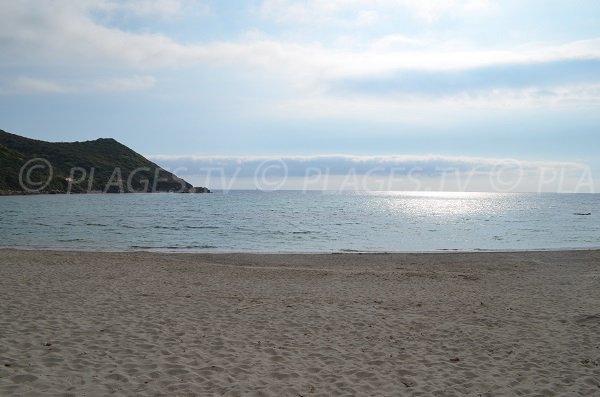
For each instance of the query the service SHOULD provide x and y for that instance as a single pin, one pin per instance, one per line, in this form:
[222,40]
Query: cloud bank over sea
[394,172]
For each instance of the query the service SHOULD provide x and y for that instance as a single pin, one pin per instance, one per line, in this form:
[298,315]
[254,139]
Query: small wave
[95,224]
[187,247]
[203,247]
[173,247]
[201,227]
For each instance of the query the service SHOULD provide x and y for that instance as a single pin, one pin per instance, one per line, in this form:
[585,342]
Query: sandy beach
[448,324]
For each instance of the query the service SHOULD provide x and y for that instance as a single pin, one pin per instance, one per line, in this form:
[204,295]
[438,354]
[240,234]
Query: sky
[326,85]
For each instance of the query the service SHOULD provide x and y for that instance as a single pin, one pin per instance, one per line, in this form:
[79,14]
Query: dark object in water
[588,319]
[582,213]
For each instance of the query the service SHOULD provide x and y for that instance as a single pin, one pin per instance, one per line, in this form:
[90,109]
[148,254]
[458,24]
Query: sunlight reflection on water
[302,222]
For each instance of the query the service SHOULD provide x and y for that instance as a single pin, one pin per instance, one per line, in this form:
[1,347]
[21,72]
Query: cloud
[29,85]
[133,83]
[393,70]
[24,85]
[395,42]
[64,32]
[435,111]
[346,172]
[496,77]
[149,8]
[431,11]
[354,11]
[431,165]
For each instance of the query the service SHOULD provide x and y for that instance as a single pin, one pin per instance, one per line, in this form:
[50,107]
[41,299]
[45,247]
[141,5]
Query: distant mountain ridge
[103,165]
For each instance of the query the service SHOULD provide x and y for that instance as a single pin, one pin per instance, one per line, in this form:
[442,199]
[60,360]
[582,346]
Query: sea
[302,221]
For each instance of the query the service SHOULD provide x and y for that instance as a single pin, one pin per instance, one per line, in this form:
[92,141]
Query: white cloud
[354,11]
[432,111]
[395,172]
[133,83]
[62,32]
[395,42]
[150,8]
[23,85]
[65,34]
[29,85]
[433,10]
[561,95]
[343,162]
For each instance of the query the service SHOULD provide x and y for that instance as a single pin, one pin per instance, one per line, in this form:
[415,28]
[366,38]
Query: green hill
[103,165]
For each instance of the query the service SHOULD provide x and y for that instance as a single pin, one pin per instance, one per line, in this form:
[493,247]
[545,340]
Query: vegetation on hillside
[102,165]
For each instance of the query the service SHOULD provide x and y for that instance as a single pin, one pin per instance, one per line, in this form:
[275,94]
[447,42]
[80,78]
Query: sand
[478,324]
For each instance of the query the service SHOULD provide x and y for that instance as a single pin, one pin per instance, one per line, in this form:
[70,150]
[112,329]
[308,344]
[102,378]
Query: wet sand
[449,324]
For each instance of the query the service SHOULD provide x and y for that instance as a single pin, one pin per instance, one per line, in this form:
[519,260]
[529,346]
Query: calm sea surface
[288,221]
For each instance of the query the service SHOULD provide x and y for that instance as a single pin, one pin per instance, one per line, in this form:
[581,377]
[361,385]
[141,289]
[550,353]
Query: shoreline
[143,323]
[160,251]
